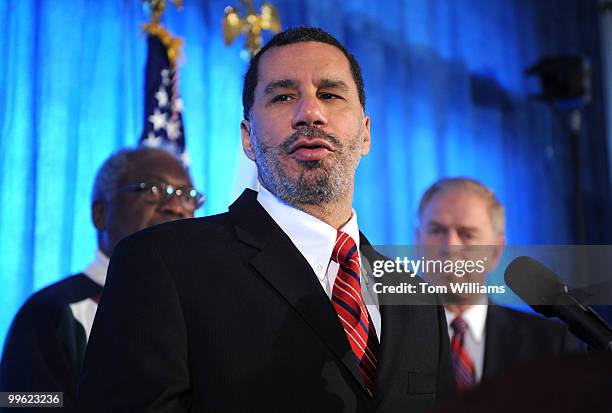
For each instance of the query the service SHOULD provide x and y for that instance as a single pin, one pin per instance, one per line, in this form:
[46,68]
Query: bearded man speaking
[262,308]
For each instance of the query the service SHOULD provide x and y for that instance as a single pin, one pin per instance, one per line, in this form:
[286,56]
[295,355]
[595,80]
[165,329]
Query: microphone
[543,291]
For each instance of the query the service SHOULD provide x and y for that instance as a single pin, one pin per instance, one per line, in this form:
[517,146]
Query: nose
[309,112]
[172,207]
[450,239]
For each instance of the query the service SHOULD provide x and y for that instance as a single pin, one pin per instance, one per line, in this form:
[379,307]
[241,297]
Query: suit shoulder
[186,227]
[214,226]
[66,291]
[176,240]
[527,320]
[45,307]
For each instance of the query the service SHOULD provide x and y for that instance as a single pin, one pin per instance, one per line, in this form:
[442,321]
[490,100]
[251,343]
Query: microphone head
[536,284]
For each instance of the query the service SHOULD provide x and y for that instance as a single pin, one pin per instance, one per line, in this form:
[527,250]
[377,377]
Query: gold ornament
[158,7]
[251,24]
[154,28]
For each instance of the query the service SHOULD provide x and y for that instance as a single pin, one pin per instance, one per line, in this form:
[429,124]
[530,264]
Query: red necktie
[462,363]
[348,303]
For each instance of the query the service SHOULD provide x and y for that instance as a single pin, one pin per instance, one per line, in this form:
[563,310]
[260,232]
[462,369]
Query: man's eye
[281,98]
[329,96]
[468,236]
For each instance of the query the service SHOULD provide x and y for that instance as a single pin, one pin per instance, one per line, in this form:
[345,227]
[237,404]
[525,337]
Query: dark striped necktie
[463,365]
[353,315]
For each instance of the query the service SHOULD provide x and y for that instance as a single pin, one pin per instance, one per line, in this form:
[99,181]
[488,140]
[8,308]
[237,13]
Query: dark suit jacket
[514,337]
[574,383]
[45,346]
[223,314]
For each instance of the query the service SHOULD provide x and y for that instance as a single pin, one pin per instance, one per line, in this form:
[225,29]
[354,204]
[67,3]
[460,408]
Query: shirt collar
[475,317]
[314,238]
[96,270]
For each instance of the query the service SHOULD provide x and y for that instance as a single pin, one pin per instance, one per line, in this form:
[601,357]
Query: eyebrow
[434,223]
[292,84]
[148,177]
[280,84]
[333,84]
[154,178]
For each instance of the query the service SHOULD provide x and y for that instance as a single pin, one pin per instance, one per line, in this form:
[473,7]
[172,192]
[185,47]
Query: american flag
[163,121]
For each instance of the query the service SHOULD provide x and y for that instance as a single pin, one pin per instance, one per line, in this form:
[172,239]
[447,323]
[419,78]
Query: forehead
[156,165]
[305,61]
[457,207]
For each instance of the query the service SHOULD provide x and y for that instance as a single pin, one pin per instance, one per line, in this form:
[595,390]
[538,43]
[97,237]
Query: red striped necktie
[465,373]
[348,303]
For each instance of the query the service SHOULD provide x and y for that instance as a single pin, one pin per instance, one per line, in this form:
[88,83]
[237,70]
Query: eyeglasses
[156,192]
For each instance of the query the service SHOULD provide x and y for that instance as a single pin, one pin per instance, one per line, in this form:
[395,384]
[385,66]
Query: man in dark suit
[263,308]
[45,347]
[456,214]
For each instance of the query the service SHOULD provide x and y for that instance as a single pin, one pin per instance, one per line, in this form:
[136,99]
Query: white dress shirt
[474,342]
[96,270]
[315,239]
[84,311]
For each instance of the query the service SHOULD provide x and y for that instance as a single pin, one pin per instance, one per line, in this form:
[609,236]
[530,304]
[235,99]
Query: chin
[315,172]
[161,221]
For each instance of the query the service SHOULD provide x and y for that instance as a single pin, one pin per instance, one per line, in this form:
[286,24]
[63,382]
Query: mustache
[310,132]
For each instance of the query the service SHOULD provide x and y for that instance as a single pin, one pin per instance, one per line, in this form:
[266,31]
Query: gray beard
[319,183]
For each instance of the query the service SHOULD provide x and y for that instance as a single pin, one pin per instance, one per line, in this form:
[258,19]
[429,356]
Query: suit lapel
[389,325]
[414,327]
[397,335]
[502,342]
[284,267]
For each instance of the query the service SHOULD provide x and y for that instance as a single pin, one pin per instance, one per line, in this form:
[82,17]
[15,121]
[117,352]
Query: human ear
[247,144]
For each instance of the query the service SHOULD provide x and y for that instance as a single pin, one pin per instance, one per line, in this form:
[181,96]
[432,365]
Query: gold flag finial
[251,23]
[159,6]
[154,27]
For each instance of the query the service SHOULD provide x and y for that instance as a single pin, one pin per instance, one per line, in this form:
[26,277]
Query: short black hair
[292,36]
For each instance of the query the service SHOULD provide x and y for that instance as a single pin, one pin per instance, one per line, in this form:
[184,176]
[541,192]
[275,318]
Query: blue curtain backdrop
[446,93]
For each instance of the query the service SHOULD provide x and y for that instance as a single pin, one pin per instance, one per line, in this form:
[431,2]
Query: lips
[311,144]
[310,149]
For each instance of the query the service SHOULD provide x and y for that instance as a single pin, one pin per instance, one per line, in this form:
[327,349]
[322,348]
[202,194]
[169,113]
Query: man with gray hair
[460,214]
[45,347]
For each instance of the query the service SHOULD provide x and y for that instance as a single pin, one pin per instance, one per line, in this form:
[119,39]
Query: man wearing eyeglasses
[134,189]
